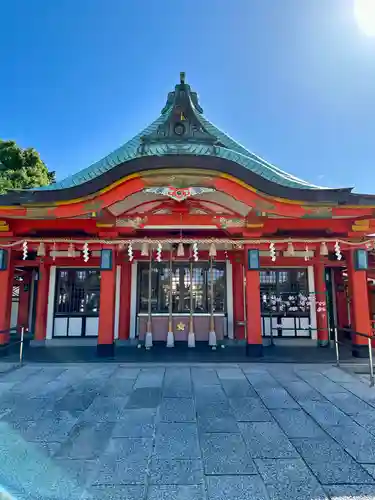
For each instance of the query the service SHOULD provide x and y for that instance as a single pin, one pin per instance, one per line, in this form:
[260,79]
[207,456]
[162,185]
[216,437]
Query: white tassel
[144,249]
[158,252]
[191,339]
[272,251]
[212,342]
[338,251]
[307,257]
[212,250]
[170,339]
[180,250]
[53,252]
[85,250]
[148,340]
[41,251]
[130,252]
[195,252]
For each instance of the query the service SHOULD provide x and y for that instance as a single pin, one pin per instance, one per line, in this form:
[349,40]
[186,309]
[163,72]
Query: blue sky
[292,80]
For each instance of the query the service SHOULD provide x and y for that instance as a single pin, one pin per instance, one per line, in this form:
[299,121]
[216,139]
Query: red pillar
[238,300]
[23,306]
[321,304]
[341,300]
[107,312]
[42,302]
[254,345]
[360,308]
[125,293]
[6,286]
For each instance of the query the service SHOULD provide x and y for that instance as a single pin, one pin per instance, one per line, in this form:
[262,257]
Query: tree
[21,168]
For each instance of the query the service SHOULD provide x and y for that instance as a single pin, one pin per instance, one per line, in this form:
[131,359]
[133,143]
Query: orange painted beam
[6,286]
[256,201]
[42,302]
[101,201]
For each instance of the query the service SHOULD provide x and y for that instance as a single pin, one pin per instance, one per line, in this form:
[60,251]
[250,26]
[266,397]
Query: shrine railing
[16,337]
[369,338]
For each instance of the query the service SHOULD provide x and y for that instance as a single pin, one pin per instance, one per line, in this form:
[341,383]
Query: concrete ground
[213,432]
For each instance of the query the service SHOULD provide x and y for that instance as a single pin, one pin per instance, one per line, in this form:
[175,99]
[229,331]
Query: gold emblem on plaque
[180,326]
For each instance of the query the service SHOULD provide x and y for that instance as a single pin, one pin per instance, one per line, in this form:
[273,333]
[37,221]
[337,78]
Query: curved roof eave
[183,99]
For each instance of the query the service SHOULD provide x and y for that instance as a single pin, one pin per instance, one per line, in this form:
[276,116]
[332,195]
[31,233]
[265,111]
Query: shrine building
[183,236]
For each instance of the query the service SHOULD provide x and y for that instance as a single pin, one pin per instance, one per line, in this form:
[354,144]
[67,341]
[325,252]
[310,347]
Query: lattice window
[77,292]
[183,284]
[284,292]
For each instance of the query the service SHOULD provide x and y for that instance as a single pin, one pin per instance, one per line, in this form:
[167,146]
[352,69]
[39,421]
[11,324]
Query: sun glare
[364,11]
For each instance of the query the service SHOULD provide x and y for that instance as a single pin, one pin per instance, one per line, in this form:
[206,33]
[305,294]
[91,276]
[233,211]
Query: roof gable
[182,129]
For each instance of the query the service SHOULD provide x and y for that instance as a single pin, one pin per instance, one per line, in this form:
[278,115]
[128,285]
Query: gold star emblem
[180,326]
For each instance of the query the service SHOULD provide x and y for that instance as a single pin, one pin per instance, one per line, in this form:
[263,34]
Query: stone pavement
[199,432]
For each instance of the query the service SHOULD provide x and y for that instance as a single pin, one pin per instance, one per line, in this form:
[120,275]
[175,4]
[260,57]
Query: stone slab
[204,376]
[217,424]
[132,449]
[163,471]
[301,390]
[289,479]
[135,423]
[177,440]
[322,450]
[86,440]
[226,454]
[236,488]
[276,397]
[144,397]
[177,410]
[356,440]
[209,393]
[297,424]
[325,413]
[115,492]
[176,492]
[150,377]
[266,440]
[237,388]
[249,410]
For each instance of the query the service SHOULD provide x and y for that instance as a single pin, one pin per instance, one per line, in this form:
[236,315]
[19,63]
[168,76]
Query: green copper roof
[182,129]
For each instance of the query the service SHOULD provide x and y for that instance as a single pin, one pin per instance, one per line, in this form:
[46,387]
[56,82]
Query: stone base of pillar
[148,340]
[360,351]
[212,342]
[323,343]
[170,339]
[105,350]
[254,350]
[191,339]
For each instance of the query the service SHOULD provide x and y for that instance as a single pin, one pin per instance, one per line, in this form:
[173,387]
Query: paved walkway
[218,432]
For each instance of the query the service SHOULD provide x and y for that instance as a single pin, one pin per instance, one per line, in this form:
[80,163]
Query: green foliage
[21,168]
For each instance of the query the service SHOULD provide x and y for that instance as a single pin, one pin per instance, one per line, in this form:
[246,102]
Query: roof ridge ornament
[181,123]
